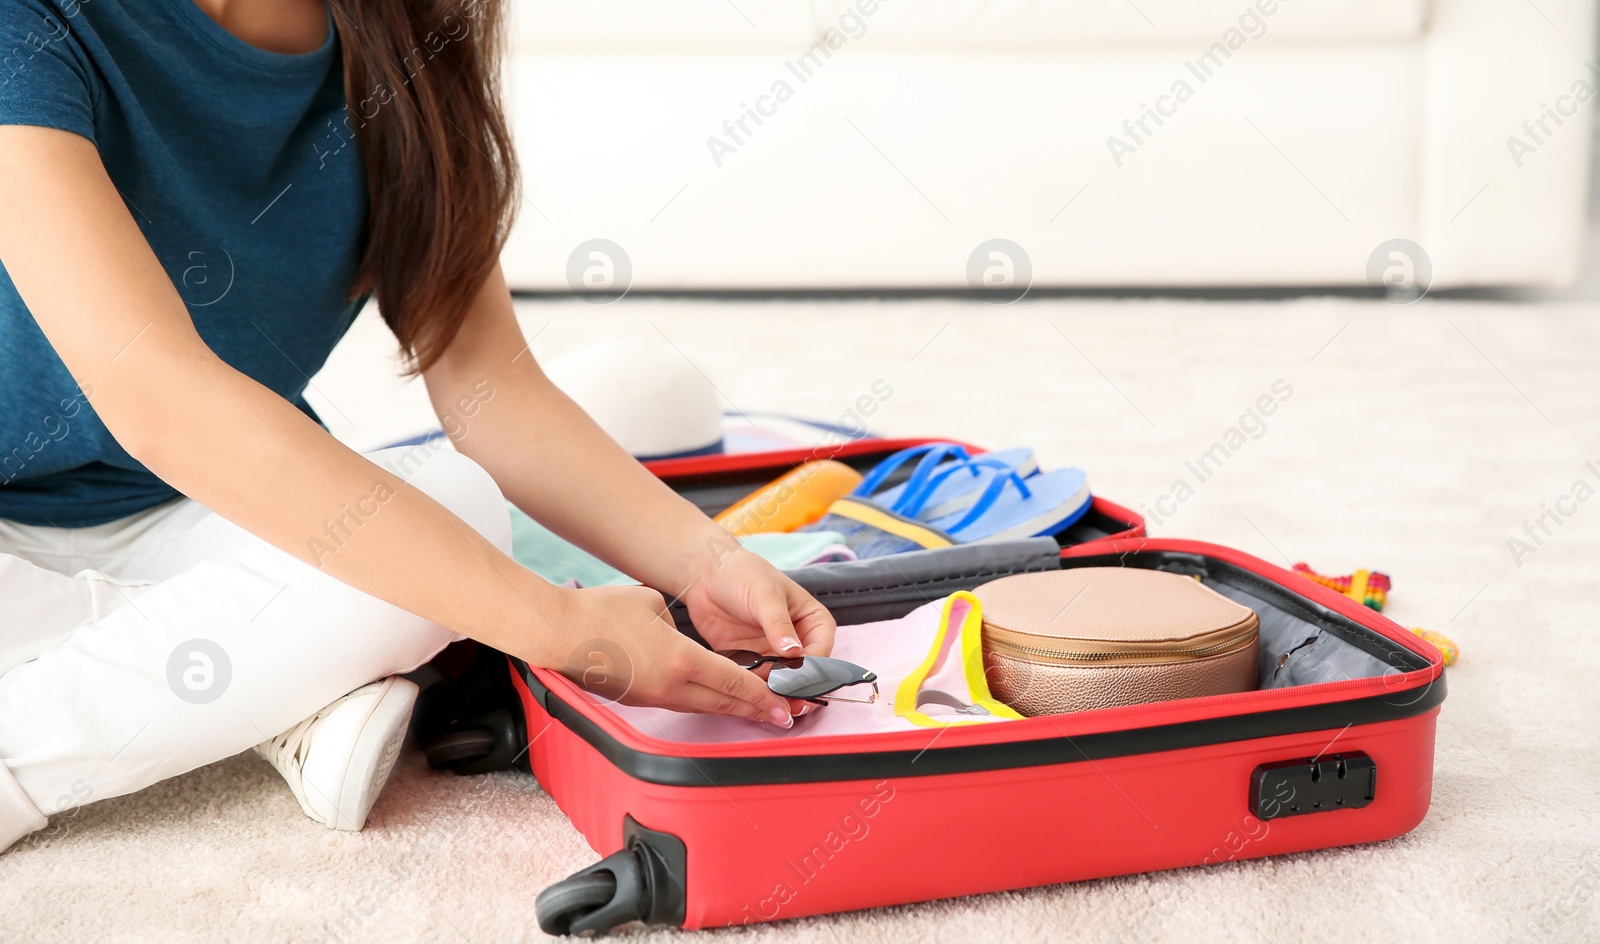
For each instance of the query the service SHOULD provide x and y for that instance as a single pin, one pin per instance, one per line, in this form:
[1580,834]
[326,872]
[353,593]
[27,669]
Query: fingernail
[787,643]
[807,709]
[781,718]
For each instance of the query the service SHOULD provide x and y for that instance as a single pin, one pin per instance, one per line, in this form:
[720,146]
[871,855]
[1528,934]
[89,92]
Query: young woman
[196,197]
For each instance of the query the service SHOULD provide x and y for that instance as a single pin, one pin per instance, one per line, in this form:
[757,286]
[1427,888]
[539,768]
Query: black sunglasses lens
[816,676]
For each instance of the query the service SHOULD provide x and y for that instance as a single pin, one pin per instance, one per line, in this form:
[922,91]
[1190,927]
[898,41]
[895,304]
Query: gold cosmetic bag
[1097,637]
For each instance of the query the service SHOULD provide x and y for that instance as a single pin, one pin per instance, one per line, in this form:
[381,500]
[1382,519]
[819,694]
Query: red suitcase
[704,835]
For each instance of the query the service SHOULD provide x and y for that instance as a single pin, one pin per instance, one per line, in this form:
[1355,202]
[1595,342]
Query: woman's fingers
[814,624]
[708,701]
[735,691]
[699,699]
[772,612]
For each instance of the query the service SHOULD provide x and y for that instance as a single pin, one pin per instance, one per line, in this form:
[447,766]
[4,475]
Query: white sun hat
[645,395]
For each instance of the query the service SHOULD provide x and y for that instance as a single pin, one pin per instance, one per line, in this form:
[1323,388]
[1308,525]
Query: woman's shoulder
[31,23]
[87,30]
[46,74]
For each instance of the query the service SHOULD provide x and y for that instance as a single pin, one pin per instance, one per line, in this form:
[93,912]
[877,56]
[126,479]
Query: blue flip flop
[1013,507]
[931,492]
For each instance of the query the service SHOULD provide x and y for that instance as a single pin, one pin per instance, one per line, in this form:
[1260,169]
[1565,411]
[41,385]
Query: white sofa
[1282,141]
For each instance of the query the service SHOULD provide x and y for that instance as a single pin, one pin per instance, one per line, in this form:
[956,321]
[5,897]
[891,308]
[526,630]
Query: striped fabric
[872,531]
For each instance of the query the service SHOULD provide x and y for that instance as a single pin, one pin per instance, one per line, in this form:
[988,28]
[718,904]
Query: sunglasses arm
[835,696]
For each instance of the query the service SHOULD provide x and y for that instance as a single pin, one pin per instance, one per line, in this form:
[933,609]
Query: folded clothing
[873,531]
[559,561]
[930,672]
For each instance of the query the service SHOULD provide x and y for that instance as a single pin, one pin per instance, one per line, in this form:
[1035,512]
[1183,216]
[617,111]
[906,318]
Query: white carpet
[1416,441]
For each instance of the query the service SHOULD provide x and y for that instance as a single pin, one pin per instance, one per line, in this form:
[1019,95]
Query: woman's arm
[103,300]
[556,464]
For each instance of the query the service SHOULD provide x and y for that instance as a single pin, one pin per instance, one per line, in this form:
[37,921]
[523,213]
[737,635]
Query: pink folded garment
[930,674]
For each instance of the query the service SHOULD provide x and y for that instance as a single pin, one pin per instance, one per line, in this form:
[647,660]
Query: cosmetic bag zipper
[1023,645]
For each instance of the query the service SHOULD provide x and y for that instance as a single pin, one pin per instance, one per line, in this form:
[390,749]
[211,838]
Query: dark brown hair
[422,78]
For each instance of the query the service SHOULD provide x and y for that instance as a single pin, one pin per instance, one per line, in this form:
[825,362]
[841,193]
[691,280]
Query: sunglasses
[810,678]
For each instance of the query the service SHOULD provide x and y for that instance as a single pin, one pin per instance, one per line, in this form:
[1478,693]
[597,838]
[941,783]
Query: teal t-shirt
[239,168]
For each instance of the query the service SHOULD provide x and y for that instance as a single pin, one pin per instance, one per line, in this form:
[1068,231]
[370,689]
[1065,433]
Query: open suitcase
[703,835]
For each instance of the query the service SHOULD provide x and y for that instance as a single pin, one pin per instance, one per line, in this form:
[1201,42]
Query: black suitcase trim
[687,771]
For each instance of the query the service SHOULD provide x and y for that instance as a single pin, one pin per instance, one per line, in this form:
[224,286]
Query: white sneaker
[337,760]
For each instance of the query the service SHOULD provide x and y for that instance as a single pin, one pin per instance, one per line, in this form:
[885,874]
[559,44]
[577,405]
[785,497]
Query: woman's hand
[619,643]
[743,602]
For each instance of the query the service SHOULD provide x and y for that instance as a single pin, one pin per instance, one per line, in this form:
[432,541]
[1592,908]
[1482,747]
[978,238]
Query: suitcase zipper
[1012,643]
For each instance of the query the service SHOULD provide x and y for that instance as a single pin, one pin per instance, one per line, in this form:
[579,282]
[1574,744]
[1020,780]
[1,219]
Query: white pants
[137,650]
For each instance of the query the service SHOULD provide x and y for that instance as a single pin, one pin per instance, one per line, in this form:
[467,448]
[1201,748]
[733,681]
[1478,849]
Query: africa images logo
[198,671]
[599,271]
[999,271]
[1401,269]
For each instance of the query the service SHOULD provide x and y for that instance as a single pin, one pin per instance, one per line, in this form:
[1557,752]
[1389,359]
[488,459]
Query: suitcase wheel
[484,744]
[472,723]
[564,903]
[607,894]
[457,747]
[643,882]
